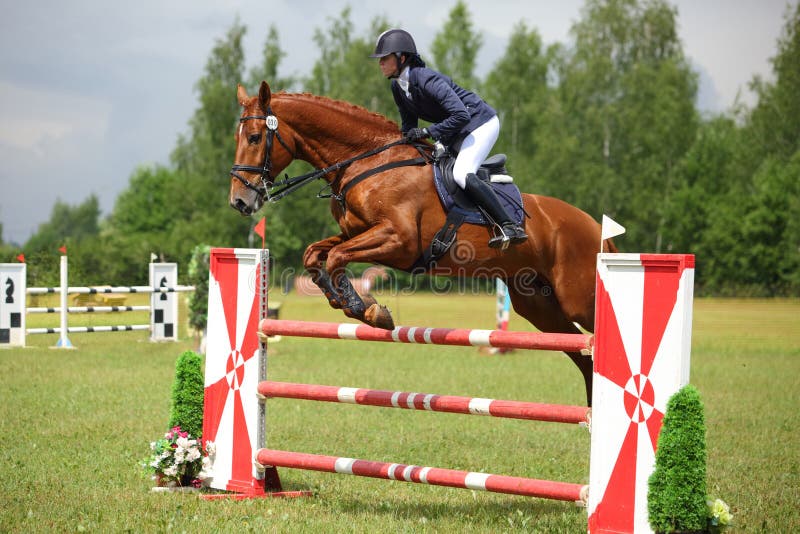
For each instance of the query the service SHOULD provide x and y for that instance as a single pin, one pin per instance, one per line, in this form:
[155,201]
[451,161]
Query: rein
[289,185]
[273,191]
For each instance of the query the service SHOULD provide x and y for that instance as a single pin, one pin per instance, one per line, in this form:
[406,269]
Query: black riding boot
[483,195]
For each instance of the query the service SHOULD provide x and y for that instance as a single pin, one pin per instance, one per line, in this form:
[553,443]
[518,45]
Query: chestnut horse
[391,218]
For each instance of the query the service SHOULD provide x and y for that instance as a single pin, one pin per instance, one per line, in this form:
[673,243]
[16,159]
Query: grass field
[74,426]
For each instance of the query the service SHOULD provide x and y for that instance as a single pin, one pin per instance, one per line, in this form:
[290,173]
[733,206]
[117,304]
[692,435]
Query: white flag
[610,228]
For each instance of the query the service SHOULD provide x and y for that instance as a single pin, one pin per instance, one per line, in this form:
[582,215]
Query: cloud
[36,119]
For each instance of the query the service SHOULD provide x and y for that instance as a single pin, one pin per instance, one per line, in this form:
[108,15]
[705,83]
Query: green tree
[625,115]
[203,157]
[67,222]
[455,48]
[517,88]
[344,70]
[774,125]
[147,204]
[271,56]
[739,199]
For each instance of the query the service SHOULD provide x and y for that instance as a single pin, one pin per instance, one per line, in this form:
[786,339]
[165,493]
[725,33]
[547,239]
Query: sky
[91,89]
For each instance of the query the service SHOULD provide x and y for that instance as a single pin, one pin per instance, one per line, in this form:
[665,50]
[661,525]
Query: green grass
[75,424]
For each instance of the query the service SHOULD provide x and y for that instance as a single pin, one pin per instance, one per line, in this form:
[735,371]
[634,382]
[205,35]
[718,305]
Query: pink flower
[197,483]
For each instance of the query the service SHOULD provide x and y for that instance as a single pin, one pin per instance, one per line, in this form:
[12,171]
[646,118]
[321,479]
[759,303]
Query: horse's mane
[342,106]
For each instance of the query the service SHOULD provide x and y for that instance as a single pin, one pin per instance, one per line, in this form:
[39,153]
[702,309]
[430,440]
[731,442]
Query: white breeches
[475,149]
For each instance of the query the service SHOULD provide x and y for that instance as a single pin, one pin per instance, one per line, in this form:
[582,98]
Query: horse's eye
[254,139]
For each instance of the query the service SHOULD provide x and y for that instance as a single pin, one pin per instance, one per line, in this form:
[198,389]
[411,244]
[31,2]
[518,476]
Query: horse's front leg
[314,261]
[380,244]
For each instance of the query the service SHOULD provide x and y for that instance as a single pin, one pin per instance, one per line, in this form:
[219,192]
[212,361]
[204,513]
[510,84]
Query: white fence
[163,306]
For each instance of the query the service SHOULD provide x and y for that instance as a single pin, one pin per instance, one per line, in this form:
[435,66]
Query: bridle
[271,124]
[271,191]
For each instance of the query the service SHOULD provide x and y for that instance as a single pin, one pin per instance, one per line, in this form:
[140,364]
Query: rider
[460,119]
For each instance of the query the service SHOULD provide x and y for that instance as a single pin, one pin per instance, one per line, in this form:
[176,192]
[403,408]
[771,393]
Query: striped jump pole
[640,349]
[434,336]
[89,309]
[530,411]
[434,476]
[90,329]
[100,290]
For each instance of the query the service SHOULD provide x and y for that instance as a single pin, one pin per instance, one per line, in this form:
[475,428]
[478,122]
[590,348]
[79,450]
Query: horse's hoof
[379,317]
[368,299]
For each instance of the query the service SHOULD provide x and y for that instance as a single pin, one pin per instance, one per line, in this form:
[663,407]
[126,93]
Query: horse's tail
[609,246]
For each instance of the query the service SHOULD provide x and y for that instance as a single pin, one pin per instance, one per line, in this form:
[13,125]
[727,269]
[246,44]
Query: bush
[198,277]
[187,394]
[676,500]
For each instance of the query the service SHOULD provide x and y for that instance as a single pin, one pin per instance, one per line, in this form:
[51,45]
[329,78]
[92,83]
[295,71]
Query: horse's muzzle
[242,207]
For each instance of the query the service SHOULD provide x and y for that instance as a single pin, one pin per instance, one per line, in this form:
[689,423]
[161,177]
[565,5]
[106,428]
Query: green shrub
[676,500]
[187,394]
[198,277]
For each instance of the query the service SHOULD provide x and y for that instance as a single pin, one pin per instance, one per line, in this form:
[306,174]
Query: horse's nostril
[241,206]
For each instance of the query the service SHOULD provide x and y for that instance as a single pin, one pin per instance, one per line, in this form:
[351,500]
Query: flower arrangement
[177,460]
[719,515]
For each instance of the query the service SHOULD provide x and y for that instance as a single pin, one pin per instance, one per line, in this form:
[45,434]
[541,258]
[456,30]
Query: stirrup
[500,240]
[510,234]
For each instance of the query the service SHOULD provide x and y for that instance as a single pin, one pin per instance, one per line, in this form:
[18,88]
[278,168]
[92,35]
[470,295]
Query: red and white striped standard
[420,401]
[529,487]
[503,339]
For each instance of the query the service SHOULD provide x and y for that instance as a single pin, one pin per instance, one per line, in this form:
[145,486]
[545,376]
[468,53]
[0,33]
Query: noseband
[271,125]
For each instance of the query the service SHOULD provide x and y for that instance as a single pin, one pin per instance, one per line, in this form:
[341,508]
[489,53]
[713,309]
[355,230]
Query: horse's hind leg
[544,312]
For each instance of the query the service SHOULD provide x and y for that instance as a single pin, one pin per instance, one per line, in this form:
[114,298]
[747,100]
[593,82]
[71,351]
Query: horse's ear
[264,95]
[241,94]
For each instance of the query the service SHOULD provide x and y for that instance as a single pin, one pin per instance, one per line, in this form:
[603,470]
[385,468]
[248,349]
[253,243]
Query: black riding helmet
[394,41]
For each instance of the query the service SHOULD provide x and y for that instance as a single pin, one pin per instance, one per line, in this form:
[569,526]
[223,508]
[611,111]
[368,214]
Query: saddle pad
[507,193]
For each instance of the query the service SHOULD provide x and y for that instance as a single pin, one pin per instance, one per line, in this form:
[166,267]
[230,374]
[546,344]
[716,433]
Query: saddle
[461,209]
[455,199]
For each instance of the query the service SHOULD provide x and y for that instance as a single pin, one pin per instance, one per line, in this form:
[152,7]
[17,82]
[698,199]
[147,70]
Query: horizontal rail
[530,487]
[437,336]
[89,309]
[88,329]
[98,290]
[420,401]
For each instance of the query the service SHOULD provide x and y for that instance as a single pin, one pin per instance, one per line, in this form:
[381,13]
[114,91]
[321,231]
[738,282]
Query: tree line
[607,122]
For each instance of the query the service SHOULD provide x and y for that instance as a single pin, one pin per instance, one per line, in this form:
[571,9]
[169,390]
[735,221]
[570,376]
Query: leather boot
[483,195]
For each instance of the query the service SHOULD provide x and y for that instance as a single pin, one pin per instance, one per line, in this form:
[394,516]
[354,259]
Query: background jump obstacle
[163,306]
[641,357]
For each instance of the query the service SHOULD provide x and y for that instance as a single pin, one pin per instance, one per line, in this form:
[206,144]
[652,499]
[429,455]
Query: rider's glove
[417,133]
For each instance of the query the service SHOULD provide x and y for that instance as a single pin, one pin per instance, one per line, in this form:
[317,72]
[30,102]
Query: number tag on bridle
[272,122]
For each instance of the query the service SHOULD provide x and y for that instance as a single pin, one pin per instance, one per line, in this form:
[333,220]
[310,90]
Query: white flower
[183,443]
[171,471]
[720,511]
[192,455]
[211,448]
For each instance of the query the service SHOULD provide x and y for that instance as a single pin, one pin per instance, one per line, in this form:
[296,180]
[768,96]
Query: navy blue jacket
[453,111]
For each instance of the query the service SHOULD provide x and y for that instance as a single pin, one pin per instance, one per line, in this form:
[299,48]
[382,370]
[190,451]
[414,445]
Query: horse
[391,218]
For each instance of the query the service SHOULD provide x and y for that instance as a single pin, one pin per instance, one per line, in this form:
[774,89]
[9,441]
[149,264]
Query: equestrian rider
[459,119]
